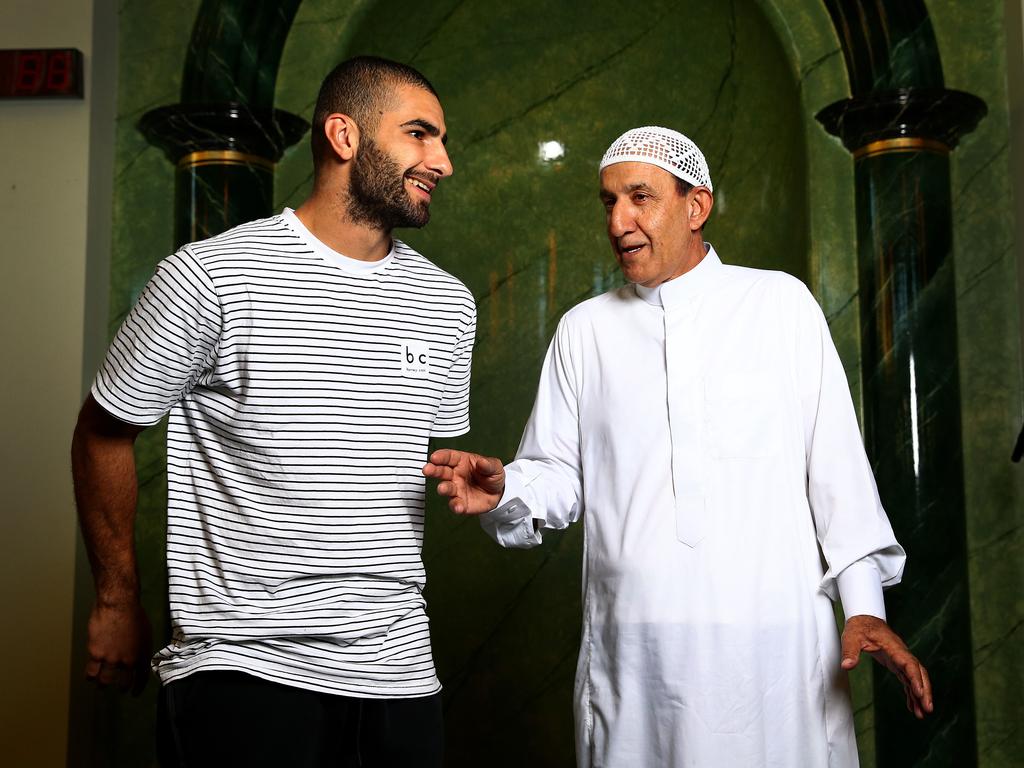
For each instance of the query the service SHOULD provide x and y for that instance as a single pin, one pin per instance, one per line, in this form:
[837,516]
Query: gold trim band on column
[902,144]
[223,157]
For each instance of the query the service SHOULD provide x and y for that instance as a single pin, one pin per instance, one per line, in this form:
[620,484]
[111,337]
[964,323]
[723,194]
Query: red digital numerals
[28,74]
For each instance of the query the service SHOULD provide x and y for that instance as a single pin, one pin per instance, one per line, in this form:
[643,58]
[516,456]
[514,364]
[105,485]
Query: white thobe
[706,430]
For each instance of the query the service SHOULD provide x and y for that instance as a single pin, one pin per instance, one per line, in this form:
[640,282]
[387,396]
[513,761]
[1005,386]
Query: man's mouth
[422,186]
[631,250]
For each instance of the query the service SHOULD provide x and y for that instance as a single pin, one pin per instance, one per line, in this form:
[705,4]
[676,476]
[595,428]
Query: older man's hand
[872,635]
[473,483]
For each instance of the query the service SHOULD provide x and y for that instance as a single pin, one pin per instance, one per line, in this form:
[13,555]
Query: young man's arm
[106,491]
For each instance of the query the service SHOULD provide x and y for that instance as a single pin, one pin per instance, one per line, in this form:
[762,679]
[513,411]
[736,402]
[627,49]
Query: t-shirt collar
[331,256]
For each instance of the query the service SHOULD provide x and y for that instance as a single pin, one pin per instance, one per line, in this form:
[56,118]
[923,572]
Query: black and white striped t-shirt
[302,392]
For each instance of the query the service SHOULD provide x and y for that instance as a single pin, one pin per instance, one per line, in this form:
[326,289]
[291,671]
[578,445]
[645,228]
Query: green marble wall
[971,37]
[744,79]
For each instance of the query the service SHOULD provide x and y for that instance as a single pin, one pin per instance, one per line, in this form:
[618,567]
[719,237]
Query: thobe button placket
[685,388]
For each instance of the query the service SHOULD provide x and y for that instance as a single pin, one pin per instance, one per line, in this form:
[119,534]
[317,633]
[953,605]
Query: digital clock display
[41,73]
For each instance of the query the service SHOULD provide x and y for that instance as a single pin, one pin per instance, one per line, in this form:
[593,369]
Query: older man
[305,360]
[699,421]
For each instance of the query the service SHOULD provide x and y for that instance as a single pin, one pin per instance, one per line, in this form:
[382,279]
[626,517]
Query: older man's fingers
[912,669]
[438,471]
[926,700]
[911,705]
[448,457]
[920,689]
[852,645]
[487,466]
[916,684]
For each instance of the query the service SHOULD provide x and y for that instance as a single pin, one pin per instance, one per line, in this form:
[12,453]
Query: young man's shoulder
[424,271]
[268,234]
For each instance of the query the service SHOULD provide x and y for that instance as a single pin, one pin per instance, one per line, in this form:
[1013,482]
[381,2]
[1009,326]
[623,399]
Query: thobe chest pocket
[744,415]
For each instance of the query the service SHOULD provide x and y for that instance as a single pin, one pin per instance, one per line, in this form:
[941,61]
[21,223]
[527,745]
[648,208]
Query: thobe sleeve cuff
[860,589]
[511,523]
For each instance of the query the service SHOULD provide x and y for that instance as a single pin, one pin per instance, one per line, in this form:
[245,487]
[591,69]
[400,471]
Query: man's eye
[640,197]
[417,134]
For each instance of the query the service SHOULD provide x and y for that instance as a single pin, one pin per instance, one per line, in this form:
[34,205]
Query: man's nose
[439,162]
[620,220]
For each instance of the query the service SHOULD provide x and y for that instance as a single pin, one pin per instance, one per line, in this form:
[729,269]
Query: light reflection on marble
[550,151]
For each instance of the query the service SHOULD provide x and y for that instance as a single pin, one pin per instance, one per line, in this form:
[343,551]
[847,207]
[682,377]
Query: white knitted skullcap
[663,147]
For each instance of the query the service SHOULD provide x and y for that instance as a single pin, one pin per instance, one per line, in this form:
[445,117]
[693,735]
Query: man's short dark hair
[361,88]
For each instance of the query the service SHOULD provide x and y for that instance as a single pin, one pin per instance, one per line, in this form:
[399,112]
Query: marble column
[224,157]
[225,136]
[901,139]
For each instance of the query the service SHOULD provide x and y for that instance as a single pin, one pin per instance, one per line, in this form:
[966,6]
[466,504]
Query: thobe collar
[680,289]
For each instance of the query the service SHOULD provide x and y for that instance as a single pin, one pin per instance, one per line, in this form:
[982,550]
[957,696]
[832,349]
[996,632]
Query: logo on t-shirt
[415,359]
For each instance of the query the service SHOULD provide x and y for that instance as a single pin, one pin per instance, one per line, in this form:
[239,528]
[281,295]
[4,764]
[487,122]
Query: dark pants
[225,719]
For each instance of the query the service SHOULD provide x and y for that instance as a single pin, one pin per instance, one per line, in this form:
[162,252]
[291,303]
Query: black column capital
[259,135]
[936,117]
[224,157]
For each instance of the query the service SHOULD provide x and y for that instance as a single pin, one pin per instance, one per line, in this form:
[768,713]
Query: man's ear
[342,135]
[701,203]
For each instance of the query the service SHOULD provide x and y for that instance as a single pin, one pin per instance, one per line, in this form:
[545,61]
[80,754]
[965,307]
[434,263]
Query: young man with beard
[305,360]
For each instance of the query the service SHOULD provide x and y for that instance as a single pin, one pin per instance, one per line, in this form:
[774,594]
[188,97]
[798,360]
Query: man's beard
[377,194]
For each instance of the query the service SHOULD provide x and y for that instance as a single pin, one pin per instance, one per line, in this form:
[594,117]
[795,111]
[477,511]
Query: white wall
[52,247]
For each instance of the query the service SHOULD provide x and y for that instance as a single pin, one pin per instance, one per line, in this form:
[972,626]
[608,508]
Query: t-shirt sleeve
[452,417]
[165,346]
